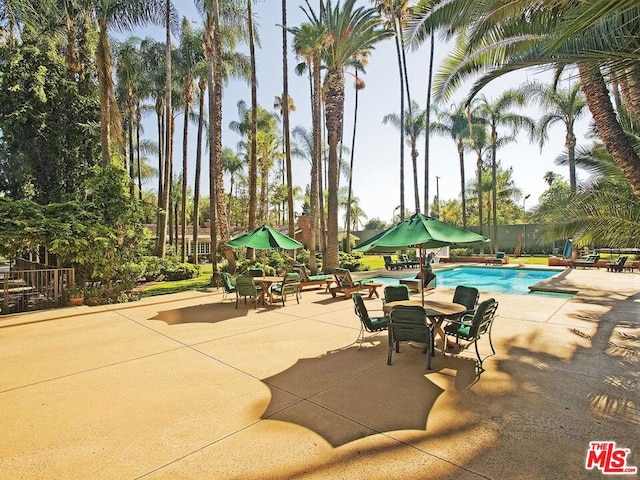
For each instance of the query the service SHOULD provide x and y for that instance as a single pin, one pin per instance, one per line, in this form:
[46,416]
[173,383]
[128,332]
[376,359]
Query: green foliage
[352,261]
[181,271]
[50,130]
[152,267]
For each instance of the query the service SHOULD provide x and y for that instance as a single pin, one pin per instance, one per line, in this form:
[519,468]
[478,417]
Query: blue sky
[376,161]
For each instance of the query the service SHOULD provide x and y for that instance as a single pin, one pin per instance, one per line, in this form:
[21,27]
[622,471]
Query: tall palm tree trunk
[613,136]
[315,165]
[285,121]
[320,154]
[196,184]
[494,188]
[334,113]
[253,161]
[353,148]
[412,133]
[185,144]
[427,132]
[399,55]
[138,147]
[462,184]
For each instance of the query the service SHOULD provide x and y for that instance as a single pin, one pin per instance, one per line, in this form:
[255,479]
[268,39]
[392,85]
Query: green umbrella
[423,232]
[265,238]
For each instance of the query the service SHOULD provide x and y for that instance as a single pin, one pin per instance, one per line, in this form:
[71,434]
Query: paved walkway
[187,387]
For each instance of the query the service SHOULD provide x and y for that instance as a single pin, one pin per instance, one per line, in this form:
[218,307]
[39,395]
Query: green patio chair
[255,272]
[246,287]
[367,323]
[227,286]
[409,323]
[471,327]
[395,293]
[618,265]
[290,285]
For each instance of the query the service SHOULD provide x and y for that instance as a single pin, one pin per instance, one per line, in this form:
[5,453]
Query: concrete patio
[186,387]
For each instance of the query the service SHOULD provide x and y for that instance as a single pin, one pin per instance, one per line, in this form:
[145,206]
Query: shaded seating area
[588,262]
[307,280]
[290,286]
[246,287]
[347,286]
[389,264]
[617,265]
[367,323]
[409,323]
[471,328]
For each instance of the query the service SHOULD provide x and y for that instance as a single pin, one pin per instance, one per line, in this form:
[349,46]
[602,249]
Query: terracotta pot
[75,301]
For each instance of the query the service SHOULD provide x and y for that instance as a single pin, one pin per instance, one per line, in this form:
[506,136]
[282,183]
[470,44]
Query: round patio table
[436,311]
[266,283]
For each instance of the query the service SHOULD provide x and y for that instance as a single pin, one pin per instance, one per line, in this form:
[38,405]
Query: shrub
[152,267]
[181,271]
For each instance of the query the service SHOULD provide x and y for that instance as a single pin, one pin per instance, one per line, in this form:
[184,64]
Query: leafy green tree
[49,129]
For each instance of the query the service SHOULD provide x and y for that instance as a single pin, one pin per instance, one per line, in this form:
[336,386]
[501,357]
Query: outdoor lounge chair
[307,280]
[227,287]
[500,259]
[409,323]
[618,265]
[367,323]
[408,263]
[246,287]
[471,327]
[290,285]
[389,264]
[590,261]
[347,286]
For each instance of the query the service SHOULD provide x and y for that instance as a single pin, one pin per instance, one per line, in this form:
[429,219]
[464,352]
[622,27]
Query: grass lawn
[162,288]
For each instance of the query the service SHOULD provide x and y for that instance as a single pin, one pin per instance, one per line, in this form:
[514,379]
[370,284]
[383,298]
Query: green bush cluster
[352,261]
[180,271]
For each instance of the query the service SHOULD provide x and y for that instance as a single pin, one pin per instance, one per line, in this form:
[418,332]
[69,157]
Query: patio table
[436,311]
[266,283]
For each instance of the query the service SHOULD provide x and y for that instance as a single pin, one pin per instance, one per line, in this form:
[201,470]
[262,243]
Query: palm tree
[559,106]
[285,119]
[290,106]
[233,165]
[253,159]
[455,124]
[308,42]
[352,31]
[359,85]
[414,125]
[121,16]
[591,35]
[479,143]
[189,55]
[496,114]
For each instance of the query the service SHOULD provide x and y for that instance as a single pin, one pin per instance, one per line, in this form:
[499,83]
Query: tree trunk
[285,121]
[138,147]
[399,55]
[253,161]
[494,187]
[185,144]
[315,165]
[462,183]
[105,83]
[427,132]
[196,187]
[612,134]
[479,180]
[353,148]
[334,112]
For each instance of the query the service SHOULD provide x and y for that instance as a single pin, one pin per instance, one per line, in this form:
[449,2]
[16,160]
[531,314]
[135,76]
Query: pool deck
[185,386]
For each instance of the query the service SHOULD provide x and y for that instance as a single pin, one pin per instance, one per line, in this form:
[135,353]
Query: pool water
[515,281]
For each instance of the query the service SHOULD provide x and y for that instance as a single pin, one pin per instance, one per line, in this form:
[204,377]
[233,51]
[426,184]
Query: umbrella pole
[422,285]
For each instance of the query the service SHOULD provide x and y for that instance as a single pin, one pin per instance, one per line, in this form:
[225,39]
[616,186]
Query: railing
[32,288]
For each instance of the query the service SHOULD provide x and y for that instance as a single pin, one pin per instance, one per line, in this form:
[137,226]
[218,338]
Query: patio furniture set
[257,286]
[405,319]
[402,262]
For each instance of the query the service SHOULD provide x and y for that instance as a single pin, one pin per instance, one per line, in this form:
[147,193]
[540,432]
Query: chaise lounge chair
[307,280]
[409,263]
[347,286]
[389,264]
[500,259]
[618,265]
[590,261]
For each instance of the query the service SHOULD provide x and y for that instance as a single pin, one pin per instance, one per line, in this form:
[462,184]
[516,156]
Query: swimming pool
[486,279]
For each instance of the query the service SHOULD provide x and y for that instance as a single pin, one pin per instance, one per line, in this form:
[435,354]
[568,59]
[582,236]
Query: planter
[76,301]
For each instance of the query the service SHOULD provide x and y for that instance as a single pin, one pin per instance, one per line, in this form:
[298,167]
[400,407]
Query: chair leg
[390,352]
[360,335]
[478,353]
[429,351]
[491,343]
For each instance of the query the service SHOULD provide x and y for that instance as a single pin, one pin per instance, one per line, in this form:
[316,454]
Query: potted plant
[76,295]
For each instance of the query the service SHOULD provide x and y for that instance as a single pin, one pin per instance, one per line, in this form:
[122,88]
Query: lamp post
[393,215]
[524,225]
